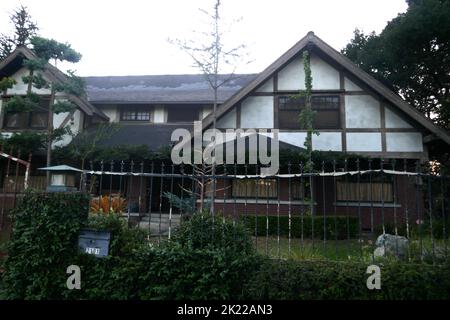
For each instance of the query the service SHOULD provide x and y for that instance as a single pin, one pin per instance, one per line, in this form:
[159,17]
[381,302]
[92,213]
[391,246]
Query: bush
[416,232]
[331,222]
[44,240]
[189,266]
[299,280]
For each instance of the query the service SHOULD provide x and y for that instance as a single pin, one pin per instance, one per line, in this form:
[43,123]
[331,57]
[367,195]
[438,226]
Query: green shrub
[416,231]
[332,224]
[298,280]
[203,230]
[44,240]
[115,276]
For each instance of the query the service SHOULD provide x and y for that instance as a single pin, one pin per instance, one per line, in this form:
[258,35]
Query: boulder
[391,245]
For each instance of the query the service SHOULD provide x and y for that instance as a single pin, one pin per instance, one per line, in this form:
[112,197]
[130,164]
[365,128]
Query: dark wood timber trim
[310,40]
[238,116]
[275,82]
[66,119]
[383,127]
[341,80]
[343,122]
[276,109]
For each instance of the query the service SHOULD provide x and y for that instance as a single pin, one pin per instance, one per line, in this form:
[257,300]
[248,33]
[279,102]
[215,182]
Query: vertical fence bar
[160,202]
[335,212]
[347,196]
[101,179]
[170,202]
[289,209]
[278,216]
[246,196]
[394,198]
[302,210]
[430,212]
[256,206]
[324,210]
[266,184]
[121,178]
[234,206]
[224,206]
[129,191]
[8,168]
[419,215]
[152,168]
[141,184]
[15,181]
[182,192]
[371,208]
[444,218]
[359,209]
[406,206]
[111,169]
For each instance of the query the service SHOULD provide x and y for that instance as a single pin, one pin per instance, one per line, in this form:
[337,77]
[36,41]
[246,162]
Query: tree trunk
[50,133]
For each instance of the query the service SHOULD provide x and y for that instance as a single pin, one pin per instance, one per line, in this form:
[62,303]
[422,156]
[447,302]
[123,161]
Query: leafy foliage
[44,241]
[307,280]
[412,54]
[24,30]
[106,205]
[335,227]
[51,49]
[26,141]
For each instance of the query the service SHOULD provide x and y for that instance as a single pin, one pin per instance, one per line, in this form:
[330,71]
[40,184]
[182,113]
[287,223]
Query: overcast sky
[130,37]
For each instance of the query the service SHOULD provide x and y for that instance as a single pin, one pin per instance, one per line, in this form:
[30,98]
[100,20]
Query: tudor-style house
[354,114]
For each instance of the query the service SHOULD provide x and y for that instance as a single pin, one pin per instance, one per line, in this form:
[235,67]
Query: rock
[391,245]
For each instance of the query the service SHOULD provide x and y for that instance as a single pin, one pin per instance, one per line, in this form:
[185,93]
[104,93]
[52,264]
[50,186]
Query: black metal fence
[356,209]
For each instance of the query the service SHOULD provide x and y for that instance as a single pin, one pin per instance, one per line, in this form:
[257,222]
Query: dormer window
[327,114]
[135,114]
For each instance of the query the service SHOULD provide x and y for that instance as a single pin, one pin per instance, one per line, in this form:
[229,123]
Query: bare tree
[211,56]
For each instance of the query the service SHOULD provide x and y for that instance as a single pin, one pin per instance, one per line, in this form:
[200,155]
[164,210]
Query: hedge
[44,240]
[307,280]
[332,224]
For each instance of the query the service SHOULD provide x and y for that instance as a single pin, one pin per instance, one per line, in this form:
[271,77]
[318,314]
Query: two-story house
[354,114]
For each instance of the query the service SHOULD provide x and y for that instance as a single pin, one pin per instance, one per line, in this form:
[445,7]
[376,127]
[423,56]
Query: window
[374,189]
[13,120]
[327,114]
[252,188]
[135,114]
[183,113]
[38,120]
[297,189]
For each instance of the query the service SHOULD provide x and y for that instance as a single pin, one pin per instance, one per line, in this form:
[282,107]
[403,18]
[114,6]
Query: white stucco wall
[362,111]
[404,142]
[393,120]
[20,88]
[228,120]
[111,111]
[350,85]
[327,141]
[159,114]
[75,126]
[257,112]
[266,87]
[364,141]
[205,111]
[294,138]
[292,77]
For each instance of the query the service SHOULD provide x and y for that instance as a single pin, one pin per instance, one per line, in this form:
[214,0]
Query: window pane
[38,120]
[135,115]
[365,192]
[12,120]
[252,188]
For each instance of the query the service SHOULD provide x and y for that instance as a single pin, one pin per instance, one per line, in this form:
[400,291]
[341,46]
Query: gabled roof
[311,40]
[178,89]
[13,62]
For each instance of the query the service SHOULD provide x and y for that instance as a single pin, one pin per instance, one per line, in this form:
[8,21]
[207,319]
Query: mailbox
[94,242]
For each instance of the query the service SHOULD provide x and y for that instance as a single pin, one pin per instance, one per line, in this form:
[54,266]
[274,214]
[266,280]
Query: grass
[343,250]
